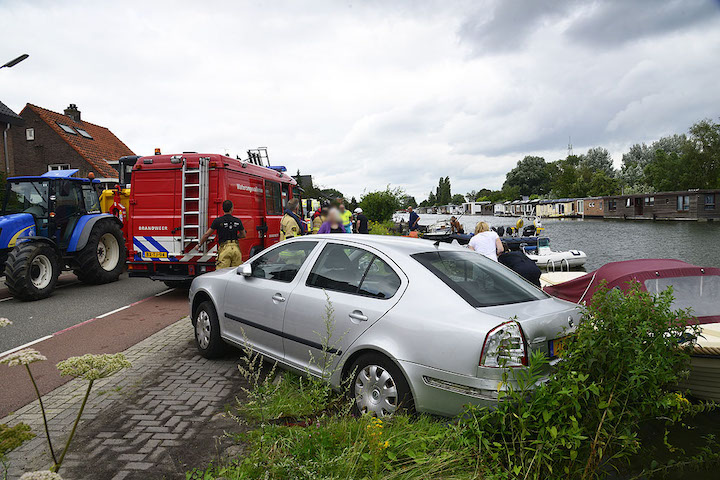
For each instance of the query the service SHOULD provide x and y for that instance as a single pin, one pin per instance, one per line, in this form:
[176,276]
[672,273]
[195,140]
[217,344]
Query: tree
[408,201]
[530,176]
[457,199]
[443,195]
[472,196]
[431,200]
[632,172]
[598,159]
[379,206]
[702,154]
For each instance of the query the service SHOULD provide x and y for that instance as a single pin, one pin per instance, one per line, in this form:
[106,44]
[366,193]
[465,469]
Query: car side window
[353,270]
[282,263]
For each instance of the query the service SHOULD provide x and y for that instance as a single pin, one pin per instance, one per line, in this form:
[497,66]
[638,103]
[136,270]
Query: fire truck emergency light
[157,151]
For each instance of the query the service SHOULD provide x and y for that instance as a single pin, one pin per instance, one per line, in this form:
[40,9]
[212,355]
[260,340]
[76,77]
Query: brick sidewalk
[155,420]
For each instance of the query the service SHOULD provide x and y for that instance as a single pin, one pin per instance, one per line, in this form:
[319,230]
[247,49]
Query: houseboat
[681,205]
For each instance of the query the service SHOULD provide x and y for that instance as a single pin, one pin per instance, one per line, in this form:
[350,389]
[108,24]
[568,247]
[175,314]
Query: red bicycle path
[110,334]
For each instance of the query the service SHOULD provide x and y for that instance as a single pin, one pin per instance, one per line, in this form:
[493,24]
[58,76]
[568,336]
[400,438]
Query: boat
[695,288]
[540,253]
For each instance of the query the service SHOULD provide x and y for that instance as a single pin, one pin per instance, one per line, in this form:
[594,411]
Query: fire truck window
[273,200]
[285,195]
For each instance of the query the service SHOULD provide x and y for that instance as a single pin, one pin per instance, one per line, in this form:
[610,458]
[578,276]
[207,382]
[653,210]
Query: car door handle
[358,315]
[278,297]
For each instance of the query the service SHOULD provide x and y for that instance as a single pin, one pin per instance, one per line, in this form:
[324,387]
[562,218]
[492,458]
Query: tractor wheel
[31,270]
[103,258]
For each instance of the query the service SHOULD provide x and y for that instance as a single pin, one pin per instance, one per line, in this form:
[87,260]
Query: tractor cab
[51,203]
[53,222]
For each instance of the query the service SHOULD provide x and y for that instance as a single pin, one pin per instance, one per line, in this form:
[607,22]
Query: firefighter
[291,225]
[229,230]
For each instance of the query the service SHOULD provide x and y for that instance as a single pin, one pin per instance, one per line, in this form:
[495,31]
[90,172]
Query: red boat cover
[701,296]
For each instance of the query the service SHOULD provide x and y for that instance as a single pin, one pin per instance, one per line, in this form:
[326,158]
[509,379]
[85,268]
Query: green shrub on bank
[618,371]
[382,228]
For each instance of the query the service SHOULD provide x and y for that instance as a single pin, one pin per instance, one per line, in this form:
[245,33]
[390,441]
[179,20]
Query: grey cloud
[507,25]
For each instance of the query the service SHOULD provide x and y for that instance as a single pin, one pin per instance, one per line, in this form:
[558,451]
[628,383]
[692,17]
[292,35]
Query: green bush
[382,228]
[380,206]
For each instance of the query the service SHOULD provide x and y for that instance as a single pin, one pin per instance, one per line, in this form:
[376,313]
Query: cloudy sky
[367,93]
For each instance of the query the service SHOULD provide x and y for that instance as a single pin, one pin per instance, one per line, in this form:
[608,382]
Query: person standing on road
[346,217]
[319,219]
[361,222]
[229,230]
[414,220]
[486,242]
[291,225]
[333,223]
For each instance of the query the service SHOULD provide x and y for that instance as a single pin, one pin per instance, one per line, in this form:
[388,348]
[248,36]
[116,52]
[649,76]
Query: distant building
[590,207]
[679,205]
[8,120]
[478,208]
[60,141]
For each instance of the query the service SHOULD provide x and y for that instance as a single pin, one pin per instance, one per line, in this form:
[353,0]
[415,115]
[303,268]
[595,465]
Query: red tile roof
[104,145]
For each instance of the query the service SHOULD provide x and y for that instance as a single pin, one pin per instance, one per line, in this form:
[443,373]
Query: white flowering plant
[4,322]
[41,475]
[25,356]
[93,367]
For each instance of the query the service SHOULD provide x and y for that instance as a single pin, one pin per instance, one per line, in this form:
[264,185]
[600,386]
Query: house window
[29,134]
[84,133]
[66,128]
[683,202]
[710,201]
[649,201]
[58,166]
[628,202]
[612,204]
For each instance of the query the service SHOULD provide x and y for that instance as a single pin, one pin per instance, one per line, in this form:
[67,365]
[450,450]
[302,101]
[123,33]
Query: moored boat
[695,288]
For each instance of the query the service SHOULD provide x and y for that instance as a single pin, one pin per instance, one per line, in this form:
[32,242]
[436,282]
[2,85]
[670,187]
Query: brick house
[59,141]
[8,120]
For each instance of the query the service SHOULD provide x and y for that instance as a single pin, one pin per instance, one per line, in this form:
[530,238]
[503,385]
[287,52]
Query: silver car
[422,325]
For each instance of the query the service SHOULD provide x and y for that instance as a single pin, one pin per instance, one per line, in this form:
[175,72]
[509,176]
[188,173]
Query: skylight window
[67,128]
[84,133]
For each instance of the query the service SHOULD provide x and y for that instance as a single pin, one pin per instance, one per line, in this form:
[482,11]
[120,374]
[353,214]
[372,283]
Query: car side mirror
[245,270]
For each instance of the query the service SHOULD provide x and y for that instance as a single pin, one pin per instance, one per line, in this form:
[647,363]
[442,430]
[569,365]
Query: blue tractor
[52,223]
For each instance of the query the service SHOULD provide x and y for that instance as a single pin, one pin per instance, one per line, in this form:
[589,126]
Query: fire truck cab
[175,198]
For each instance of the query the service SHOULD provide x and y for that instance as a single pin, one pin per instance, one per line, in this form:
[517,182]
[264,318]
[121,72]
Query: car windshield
[479,280]
[27,197]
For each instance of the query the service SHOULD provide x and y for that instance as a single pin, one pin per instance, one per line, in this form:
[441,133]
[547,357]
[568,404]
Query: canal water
[612,240]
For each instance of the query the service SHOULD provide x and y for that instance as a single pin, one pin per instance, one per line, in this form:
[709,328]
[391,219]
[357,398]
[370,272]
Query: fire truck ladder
[194,204]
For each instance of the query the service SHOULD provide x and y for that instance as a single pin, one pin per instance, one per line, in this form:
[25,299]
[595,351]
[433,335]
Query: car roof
[386,243]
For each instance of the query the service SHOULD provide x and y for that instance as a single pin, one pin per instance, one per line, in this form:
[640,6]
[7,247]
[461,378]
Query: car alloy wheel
[202,329]
[376,391]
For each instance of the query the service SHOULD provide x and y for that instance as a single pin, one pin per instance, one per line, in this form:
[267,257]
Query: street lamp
[14,62]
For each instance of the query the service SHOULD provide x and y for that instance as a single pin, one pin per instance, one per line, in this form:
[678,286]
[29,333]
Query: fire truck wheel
[207,331]
[103,258]
[31,271]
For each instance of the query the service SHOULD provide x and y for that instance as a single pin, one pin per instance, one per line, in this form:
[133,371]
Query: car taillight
[504,347]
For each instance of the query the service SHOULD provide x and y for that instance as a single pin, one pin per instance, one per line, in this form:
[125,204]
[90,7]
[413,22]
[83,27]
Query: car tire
[31,270]
[378,387]
[102,260]
[207,331]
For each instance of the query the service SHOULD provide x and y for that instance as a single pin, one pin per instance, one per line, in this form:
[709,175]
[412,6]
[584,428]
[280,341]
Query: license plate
[558,345]
[155,254]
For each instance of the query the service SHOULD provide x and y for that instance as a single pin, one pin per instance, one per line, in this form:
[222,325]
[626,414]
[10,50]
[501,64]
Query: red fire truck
[174,199]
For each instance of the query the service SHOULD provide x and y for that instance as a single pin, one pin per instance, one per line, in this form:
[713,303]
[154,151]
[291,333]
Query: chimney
[73,112]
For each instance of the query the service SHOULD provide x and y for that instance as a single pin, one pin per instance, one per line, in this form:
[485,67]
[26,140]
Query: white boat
[546,258]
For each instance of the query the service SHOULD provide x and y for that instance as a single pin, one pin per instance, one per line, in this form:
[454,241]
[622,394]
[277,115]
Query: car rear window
[479,280]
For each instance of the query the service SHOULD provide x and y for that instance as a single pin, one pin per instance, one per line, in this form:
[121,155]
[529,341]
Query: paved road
[72,303]
[109,334]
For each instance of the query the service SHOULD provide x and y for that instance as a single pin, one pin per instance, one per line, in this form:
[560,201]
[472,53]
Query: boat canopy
[695,288]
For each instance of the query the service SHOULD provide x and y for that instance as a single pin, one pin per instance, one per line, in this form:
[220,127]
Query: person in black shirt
[361,221]
[229,230]
[519,263]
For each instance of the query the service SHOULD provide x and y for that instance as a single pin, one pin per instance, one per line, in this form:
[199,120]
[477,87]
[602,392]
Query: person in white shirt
[486,241]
